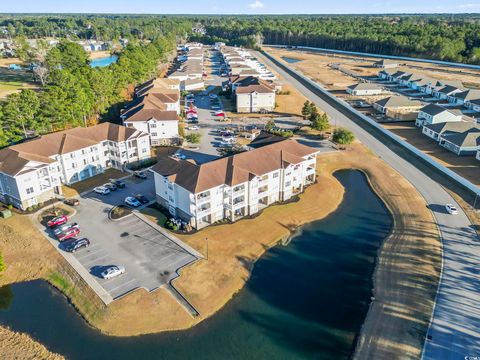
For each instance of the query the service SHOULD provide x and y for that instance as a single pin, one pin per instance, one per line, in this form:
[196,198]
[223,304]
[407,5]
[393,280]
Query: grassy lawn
[88,184]
[14,80]
[154,215]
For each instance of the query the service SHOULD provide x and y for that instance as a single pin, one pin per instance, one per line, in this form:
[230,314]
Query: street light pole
[206,242]
[475,202]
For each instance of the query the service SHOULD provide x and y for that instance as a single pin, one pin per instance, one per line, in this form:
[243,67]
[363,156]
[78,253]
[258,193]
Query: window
[153,125]
[74,165]
[275,175]
[144,151]
[287,184]
[170,199]
[30,190]
[85,161]
[154,134]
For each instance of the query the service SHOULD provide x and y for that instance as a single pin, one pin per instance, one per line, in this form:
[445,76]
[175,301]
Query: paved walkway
[455,329]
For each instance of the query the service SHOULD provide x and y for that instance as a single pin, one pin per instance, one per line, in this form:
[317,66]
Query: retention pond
[305,300]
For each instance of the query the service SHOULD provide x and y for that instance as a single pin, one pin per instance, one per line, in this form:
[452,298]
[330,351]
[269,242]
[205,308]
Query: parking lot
[150,255]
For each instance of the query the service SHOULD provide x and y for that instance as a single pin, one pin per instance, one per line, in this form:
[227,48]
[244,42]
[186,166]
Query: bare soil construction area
[465,166]
[318,66]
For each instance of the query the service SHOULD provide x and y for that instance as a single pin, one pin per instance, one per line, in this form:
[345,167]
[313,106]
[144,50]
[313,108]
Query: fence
[438,172]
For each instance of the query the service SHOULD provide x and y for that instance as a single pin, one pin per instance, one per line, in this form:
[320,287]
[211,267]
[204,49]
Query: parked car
[143,200]
[216,107]
[110,186]
[113,271]
[70,233]
[73,245]
[179,155]
[140,174]
[56,221]
[451,209]
[72,202]
[102,190]
[120,183]
[131,201]
[212,96]
[219,113]
[64,227]
[193,128]
[223,74]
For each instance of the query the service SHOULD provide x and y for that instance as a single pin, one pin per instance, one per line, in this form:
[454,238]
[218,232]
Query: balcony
[203,199]
[263,189]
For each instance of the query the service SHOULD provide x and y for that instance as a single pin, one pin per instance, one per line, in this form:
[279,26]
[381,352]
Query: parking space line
[87,254]
[120,286]
[94,260]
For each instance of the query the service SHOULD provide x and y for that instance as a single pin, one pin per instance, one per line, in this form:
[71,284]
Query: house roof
[386,62]
[365,86]
[469,138]
[149,114]
[451,126]
[43,148]
[447,89]
[261,88]
[235,169]
[469,95]
[433,109]
[397,101]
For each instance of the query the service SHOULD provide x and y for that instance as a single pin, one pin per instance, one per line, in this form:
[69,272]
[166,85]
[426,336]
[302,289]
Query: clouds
[257,4]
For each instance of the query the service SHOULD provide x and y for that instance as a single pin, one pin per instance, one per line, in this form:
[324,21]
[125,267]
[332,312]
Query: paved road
[455,330]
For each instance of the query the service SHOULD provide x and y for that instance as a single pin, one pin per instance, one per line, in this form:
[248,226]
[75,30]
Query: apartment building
[255,98]
[33,172]
[236,186]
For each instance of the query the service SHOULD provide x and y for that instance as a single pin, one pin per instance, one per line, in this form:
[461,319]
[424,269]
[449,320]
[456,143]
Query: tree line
[74,93]
[450,38]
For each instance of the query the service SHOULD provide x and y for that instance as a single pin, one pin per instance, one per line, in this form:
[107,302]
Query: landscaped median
[233,249]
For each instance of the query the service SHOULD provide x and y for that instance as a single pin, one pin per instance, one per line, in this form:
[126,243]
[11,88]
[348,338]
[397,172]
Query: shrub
[193,138]
[9,206]
[29,209]
[343,136]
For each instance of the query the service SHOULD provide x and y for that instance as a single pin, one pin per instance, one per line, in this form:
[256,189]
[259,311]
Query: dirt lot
[466,166]
[316,66]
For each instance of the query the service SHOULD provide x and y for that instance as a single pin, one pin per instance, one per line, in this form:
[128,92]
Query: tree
[320,122]
[270,125]
[306,109]
[19,113]
[343,136]
[193,138]
[23,49]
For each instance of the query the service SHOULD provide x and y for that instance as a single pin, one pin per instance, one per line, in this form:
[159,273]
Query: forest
[75,94]
[450,38]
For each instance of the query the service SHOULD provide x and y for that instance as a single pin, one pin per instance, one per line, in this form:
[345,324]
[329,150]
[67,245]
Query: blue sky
[241,6]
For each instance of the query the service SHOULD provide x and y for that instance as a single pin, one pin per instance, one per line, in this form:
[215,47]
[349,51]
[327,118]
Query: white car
[452,210]
[102,190]
[131,201]
[193,128]
[179,156]
[113,271]
[212,96]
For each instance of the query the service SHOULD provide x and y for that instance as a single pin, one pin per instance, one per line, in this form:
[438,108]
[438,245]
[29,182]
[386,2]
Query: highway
[455,329]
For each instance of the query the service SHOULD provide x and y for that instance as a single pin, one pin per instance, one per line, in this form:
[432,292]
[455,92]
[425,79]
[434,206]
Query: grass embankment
[15,345]
[88,184]
[233,249]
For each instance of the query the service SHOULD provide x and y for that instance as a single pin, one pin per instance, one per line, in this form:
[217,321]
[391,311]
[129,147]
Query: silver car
[113,271]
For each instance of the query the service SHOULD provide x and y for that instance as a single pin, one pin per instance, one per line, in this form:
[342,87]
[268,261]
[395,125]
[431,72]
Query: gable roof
[43,148]
[365,86]
[235,169]
[451,126]
[397,101]
[469,138]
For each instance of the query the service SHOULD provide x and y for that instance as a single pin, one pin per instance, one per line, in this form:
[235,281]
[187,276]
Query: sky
[240,6]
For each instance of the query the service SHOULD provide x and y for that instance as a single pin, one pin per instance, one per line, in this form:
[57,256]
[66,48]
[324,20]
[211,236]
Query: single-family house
[386,64]
[434,131]
[364,89]
[461,143]
[461,98]
[433,114]
[397,103]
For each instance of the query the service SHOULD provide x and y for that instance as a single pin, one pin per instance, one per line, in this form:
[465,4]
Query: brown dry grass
[15,345]
[465,166]
[98,54]
[233,249]
[88,184]
[315,65]
[290,104]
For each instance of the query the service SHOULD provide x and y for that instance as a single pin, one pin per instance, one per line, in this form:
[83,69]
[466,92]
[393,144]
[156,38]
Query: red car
[59,220]
[68,234]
